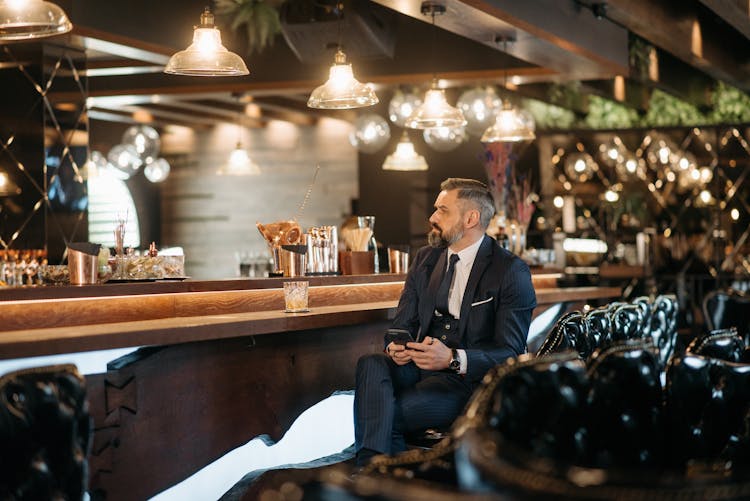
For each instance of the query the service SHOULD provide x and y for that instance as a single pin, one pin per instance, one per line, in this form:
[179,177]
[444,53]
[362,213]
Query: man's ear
[472,218]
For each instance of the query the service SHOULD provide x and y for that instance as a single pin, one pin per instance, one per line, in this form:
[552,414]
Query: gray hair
[474,192]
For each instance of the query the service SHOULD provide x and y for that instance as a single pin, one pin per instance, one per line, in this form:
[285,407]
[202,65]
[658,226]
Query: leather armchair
[663,325]
[45,432]
[569,332]
[723,309]
[708,403]
[722,344]
[627,322]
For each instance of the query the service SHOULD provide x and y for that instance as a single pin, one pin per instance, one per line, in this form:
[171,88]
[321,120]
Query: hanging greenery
[730,105]
[666,110]
[258,20]
[639,55]
[549,116]
[568,94]
[607,114]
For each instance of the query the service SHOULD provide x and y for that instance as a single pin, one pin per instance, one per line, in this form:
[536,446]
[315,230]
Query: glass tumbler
[295,296]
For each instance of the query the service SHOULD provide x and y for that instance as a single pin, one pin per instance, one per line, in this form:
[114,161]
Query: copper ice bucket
[82,264]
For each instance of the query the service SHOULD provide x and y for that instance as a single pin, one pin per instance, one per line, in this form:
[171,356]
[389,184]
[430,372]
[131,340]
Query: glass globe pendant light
[145,139]
[402,105]
[443,138]
[206,56]
[479,106]
[157,170]
[435,110]
[405,158]
[371,132]
[31,19]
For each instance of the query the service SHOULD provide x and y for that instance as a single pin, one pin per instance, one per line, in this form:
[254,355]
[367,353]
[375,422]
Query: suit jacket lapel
[481,261]
[432,287]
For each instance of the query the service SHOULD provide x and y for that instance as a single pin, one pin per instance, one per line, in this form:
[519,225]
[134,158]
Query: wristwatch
[455,363]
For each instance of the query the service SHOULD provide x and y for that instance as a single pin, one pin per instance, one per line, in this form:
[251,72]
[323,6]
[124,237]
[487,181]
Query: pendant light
[206,56]
[342,91]
[405,158]
[510,126]
[239,162]
[30,19]
[435,110]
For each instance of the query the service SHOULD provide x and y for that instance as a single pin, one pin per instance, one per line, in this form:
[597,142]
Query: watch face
[455,362]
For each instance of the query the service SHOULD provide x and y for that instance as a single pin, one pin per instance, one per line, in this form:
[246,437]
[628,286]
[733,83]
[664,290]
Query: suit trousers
[392,401]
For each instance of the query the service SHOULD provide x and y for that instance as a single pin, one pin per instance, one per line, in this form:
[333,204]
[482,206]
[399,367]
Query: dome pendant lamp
[31,19]
[206,56]
[435,110]
[405,158]
[342,91]
[510,125]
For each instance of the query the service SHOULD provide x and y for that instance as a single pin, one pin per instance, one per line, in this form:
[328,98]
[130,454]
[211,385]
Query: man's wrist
[455,363]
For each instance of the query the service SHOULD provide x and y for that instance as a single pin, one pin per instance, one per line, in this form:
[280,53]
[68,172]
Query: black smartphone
[398,336]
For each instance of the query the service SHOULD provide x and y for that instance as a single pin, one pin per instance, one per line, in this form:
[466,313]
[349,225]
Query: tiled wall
[213,216]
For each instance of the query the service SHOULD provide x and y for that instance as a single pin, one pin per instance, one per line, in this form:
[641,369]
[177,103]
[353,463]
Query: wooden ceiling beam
[275,111]
[117,116]
[731,12]
[685,31]
[223,114]
[547,33]
[290,108]
[96,40]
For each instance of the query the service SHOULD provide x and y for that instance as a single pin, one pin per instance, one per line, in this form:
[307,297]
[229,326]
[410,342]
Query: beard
[439,238]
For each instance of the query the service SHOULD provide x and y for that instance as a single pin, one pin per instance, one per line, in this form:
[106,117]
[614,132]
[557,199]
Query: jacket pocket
[482,302]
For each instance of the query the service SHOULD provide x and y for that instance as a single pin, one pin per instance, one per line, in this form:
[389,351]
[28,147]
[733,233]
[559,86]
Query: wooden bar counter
[219,362]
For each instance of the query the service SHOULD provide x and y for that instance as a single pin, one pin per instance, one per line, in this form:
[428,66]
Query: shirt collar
[466,256]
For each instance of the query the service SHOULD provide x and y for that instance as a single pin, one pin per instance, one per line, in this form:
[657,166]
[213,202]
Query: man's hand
[398,353]
[430,354]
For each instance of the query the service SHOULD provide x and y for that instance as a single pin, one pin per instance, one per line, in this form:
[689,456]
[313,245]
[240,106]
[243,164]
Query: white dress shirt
[458,287]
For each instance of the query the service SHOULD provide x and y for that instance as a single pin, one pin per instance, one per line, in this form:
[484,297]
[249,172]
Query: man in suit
[466,305]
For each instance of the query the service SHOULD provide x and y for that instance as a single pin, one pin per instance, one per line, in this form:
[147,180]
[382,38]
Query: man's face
[447,220]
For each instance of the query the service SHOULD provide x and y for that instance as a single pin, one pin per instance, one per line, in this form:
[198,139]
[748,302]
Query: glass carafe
[369,222]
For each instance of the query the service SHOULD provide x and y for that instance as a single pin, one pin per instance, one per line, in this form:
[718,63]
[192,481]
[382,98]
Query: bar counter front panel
[220,362]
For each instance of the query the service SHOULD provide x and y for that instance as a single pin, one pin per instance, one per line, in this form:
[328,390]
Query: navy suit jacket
[495,310]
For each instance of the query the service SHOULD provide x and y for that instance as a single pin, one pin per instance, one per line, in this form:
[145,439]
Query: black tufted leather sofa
[556,428]
[45,432]
[600,327]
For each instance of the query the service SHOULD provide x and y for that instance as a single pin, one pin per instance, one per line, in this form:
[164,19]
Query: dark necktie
[441,301]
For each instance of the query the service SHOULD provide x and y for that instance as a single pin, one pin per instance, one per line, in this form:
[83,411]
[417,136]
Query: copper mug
[398,259]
